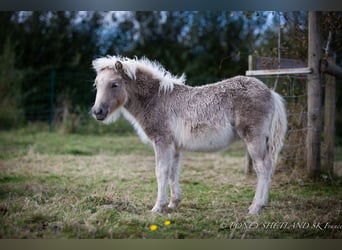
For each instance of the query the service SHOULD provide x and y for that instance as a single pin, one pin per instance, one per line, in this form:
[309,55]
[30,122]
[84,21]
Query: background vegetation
[207,46]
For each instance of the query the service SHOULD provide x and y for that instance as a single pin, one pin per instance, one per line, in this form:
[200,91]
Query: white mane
[167,80]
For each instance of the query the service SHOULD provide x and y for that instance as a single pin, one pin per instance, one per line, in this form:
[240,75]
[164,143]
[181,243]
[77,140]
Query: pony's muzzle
[101,112]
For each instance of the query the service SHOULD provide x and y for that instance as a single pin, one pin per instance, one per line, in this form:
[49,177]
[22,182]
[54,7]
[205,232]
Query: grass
[54,185]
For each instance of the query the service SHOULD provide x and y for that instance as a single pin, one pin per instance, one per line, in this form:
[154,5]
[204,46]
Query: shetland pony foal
[175,117]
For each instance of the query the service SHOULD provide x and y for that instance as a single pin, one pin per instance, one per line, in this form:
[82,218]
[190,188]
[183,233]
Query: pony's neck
[141,93]
[143,84]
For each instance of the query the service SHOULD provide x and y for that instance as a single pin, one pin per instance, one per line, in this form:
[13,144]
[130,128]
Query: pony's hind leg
[263,167]
[174,181]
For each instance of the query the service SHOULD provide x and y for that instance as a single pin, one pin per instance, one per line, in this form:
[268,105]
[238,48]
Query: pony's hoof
[173,204]
[158,208]
[254,209]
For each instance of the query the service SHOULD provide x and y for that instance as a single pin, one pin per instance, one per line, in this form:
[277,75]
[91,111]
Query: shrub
[11,114]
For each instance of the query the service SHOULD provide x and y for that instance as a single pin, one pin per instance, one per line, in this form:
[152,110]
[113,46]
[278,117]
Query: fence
[294,90]
[292,84]
[51,93]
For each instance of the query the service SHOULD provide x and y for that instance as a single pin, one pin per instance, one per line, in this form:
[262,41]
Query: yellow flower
[167,223]
[153,227]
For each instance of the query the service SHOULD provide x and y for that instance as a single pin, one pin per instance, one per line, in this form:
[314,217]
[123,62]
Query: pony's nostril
[98,111]
[94,110]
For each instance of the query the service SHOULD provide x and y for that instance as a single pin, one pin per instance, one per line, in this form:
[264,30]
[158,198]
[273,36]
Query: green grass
[72,144]
[55,185]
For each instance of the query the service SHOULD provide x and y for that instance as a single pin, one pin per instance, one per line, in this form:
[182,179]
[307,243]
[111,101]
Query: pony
[174,117]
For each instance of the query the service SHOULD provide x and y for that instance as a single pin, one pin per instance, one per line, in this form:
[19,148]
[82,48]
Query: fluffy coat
[174,117]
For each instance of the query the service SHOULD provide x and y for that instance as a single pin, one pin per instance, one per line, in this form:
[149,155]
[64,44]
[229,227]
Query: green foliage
[10,88]
[55,40]
[206,45]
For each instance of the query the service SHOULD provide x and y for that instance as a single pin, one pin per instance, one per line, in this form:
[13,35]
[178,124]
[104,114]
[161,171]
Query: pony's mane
[130,66]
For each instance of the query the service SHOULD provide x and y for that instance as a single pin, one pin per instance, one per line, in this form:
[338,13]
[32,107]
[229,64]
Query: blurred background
[45,57]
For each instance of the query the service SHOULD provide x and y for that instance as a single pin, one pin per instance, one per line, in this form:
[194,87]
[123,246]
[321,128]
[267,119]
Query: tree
[207,46]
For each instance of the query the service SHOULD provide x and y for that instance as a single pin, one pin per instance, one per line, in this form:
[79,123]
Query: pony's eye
[114,85]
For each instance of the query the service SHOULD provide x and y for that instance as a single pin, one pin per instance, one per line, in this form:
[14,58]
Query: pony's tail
[278,128]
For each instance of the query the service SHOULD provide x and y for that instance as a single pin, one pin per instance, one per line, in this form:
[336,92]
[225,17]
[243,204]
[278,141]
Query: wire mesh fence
[53,96]
[294,90]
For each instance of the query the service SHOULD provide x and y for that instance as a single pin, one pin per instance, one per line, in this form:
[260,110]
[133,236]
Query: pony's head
[113,74]
[110,91]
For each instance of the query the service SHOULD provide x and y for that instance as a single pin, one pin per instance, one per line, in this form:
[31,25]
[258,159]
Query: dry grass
[77,187]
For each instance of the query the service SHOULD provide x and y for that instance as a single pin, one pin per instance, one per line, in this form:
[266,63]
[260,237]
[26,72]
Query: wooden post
[313,143]
[248,160]
[250,62]
[329,120]
[329,67]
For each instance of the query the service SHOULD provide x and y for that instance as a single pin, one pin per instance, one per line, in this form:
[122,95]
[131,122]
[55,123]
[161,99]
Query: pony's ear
[119,68]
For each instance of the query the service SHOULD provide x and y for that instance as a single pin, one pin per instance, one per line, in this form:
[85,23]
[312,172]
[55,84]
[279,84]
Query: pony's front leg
[174,181]
[164,159]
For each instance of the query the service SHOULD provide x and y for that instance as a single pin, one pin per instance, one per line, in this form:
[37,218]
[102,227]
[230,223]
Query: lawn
[55,185]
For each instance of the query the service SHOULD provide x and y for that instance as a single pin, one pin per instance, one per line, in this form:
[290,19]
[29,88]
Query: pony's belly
[207,140]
